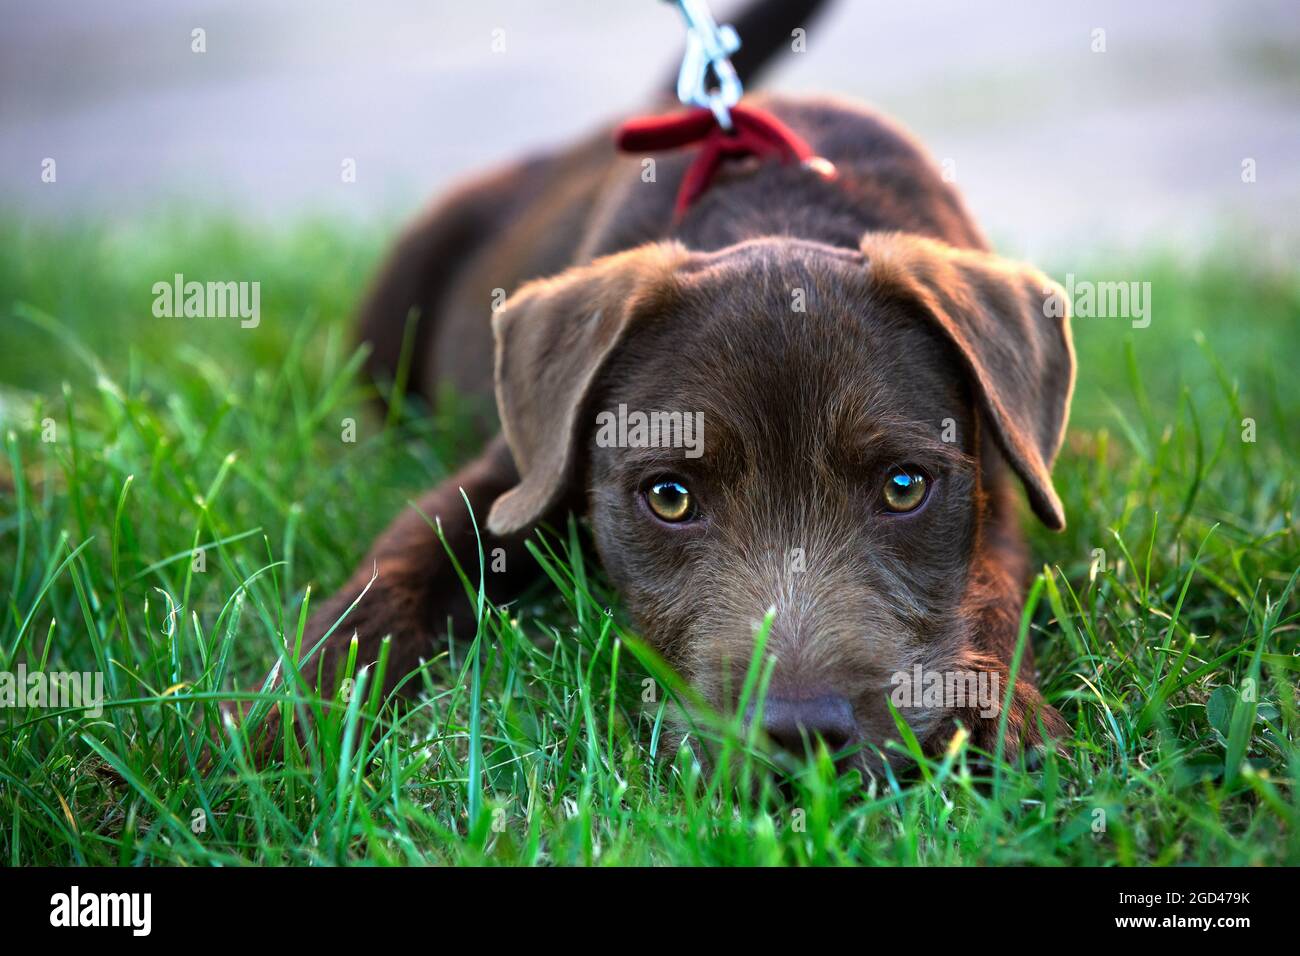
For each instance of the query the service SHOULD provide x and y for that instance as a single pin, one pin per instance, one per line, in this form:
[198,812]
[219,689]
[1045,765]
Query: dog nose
[792,722]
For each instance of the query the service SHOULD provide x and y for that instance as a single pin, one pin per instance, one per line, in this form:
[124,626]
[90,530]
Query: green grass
[1172,651]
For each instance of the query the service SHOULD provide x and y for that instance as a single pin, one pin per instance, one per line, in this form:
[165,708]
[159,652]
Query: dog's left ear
[553,337]
[1010,323]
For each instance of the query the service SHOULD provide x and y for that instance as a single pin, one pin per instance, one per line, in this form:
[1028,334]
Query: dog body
[830,335]
[539,217]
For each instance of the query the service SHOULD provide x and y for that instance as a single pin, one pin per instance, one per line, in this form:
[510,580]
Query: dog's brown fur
[909,321]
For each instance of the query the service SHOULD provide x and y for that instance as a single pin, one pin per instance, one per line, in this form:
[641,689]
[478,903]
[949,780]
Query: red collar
[755,132]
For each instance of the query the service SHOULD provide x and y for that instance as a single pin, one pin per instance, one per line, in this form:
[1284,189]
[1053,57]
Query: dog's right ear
[553,337]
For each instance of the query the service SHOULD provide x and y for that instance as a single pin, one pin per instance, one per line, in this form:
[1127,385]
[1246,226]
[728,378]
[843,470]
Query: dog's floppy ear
[553,337]
[1010,323]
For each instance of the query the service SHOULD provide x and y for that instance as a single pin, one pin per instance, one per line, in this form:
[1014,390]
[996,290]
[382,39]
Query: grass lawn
[1164,619]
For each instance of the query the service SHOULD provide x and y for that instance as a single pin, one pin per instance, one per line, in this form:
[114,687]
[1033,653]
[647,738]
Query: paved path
[1056,146]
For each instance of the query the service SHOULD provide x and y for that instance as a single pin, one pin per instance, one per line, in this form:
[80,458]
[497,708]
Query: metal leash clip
[708,46]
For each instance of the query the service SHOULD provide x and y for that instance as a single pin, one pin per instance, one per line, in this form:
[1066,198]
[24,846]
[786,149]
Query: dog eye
[905,489]
[670,501]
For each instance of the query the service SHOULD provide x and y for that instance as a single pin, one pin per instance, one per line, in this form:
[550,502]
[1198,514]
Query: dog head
[785,425]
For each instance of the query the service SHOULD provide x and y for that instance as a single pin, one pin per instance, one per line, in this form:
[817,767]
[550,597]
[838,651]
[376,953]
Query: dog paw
[1032,726]
[261,738]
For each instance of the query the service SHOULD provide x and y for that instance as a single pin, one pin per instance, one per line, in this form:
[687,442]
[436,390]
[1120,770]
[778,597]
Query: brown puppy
[865,371]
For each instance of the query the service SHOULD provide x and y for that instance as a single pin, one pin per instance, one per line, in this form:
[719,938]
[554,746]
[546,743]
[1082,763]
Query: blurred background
[1054,142]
